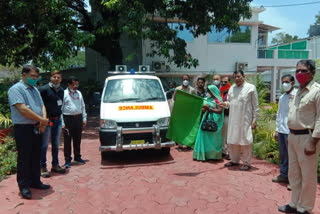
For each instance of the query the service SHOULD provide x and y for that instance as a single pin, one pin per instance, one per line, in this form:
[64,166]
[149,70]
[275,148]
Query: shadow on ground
[135,158]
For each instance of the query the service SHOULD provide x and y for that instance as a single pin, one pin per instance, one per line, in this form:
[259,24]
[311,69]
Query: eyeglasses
[302,71]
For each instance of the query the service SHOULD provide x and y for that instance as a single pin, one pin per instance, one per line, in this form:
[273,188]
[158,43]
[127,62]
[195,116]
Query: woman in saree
[208,145]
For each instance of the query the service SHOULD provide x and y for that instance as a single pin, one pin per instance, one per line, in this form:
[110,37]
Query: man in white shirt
[74,120]
[282,130]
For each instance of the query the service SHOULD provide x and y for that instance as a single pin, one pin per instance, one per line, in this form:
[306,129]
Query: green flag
[185,118]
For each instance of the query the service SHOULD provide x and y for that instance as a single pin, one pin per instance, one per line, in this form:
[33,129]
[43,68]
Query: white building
[223,52]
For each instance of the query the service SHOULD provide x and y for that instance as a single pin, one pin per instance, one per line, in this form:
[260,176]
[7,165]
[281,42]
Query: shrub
[264,145]
[8,157]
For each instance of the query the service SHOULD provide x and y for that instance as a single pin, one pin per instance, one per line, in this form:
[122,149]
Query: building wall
[214,57]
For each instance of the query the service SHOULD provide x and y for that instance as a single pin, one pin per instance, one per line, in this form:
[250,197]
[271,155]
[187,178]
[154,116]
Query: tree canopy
[282,38]
[47,31]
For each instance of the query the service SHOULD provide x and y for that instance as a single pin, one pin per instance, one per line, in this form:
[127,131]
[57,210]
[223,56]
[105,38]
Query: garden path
[149,182]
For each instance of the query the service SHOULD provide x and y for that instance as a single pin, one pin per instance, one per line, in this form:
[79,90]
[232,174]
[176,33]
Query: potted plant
[5,126]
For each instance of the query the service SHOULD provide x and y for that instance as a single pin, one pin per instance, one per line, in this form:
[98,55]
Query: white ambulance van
[134,114]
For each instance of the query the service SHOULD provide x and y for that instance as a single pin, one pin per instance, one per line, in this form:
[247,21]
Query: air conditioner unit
[159,66]
[241,66]
[144,68]
[121,68]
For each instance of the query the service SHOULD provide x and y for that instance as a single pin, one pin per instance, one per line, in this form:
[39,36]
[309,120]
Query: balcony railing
[282,54]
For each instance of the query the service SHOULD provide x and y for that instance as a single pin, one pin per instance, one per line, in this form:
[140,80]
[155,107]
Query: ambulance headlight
[109,124]
[163,121]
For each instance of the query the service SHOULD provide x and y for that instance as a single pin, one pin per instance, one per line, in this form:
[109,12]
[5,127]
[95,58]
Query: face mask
[286,86]
[54,85]
[302,78]
[31,82]
[72,90]
[208,95]
[185,82]
[216,82]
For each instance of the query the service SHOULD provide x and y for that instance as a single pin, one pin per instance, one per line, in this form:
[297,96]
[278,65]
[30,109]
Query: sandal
[245,168]
[231,164]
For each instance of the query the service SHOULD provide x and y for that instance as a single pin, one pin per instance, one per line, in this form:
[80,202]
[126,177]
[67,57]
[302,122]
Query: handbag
[209,125]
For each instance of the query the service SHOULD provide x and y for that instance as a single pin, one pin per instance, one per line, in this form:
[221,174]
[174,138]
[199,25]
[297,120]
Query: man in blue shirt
[282,130]
[29,118]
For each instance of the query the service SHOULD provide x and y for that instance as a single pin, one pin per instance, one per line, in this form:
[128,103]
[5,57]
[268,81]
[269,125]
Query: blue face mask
[31,82]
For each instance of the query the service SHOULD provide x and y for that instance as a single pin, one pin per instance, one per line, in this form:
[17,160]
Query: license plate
[135,142]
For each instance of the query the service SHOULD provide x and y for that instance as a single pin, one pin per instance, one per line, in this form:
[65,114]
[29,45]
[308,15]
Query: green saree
[209,144]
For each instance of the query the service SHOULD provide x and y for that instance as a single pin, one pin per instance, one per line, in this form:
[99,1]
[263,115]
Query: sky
[294,20]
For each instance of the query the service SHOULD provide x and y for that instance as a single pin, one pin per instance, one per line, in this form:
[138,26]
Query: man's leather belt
[54,118]
[301,131]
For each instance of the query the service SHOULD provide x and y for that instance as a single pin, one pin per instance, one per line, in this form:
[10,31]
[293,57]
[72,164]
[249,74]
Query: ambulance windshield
[133,90]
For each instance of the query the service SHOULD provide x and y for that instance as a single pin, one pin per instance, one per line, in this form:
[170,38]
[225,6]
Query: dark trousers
[73,130]
[28,146]
[283,150]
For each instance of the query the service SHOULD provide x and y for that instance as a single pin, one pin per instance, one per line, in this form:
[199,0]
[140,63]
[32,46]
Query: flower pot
[3,134]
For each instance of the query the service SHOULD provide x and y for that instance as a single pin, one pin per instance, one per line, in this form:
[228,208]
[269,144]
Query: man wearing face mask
[282,130]
[303,148]
[217,80]
[187,88]
[52,95]
[74,120]
[29,117]
[224,89]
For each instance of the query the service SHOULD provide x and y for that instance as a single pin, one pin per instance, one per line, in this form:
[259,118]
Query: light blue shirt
[283,110]
[24,94]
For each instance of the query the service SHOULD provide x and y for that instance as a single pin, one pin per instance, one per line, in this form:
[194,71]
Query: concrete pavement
[149,182]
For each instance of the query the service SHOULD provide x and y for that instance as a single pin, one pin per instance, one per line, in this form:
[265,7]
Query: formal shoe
[180,149]
[305,212]
[245,168]
[231,164]
[67,165]
[189,148]
[79,161]
[287,209]
[45,173]
[58,169]
[40,186]
[25,193]
[289,187]
[280,179]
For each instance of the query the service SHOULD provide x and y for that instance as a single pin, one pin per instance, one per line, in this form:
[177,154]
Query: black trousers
[73,130]
[28,146]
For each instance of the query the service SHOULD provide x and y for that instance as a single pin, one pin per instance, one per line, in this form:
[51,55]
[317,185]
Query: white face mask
[72,90]
[216,82]
[185,82]
[54,85]
[208,95]
[286,86]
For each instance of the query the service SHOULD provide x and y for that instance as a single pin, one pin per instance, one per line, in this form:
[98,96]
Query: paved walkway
[148,182]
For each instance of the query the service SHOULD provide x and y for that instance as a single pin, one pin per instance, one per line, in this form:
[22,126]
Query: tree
[317,19]
[282,38]
[47,31]
[314,30]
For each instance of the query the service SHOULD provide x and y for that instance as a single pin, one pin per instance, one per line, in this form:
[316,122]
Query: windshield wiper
[123,100]
[151,98]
